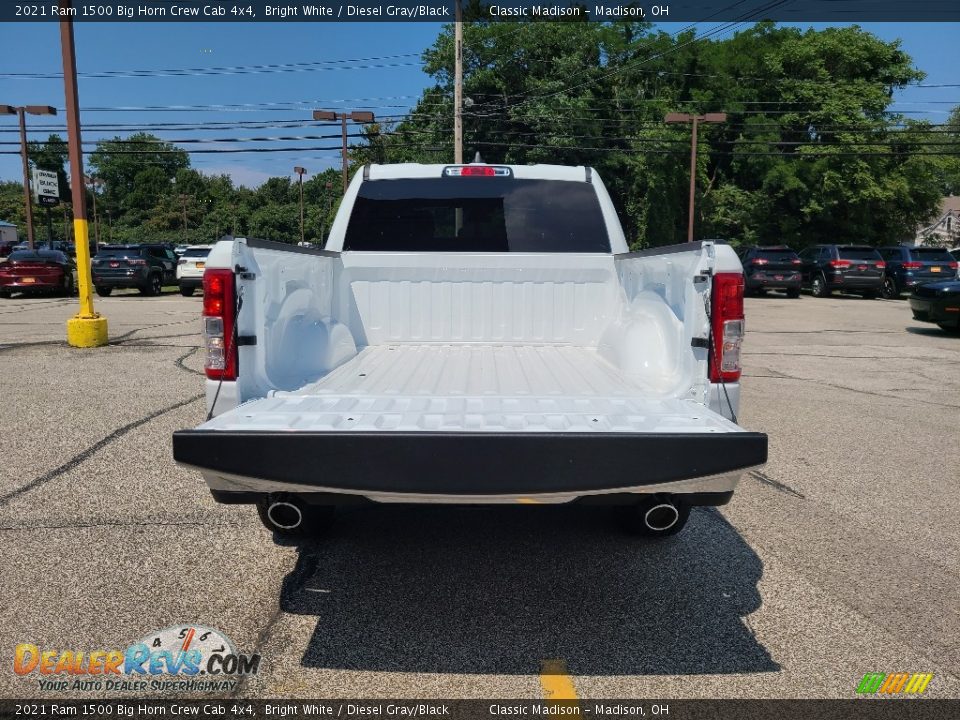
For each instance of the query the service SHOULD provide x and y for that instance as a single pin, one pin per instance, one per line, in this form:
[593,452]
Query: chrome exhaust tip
[284,515]
[661,517]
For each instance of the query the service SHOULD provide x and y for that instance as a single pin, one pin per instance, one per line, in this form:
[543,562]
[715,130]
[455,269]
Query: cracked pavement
[840,557]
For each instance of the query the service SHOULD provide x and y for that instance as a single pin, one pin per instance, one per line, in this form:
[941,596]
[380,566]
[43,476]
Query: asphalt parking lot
[841,557]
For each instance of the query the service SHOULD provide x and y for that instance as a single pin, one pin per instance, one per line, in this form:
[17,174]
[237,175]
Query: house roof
[6,224]
[949,203]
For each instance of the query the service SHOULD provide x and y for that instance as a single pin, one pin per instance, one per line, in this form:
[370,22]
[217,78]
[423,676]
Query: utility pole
[356,116]
[300,171]
[183,200]
[86,328]
[458,85]
[696,120]
[21,111]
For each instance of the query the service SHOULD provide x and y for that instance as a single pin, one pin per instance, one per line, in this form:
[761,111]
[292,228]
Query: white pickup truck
[472,334]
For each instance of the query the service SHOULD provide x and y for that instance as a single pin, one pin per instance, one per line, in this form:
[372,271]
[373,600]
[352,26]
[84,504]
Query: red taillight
[911,265]
[840,264]
[881,264]
[795,261]
[219,301]
[726,317]
[953,265]
[759,261]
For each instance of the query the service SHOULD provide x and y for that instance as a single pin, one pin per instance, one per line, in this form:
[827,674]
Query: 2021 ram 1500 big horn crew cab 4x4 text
[472,334]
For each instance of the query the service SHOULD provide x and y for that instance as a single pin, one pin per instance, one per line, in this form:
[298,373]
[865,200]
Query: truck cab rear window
[487,214]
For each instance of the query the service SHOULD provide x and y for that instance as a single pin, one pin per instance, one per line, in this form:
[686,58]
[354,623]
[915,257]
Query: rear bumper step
[469,464]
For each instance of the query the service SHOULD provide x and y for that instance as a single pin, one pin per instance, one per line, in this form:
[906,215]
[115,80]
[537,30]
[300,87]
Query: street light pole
[343,152]
[21,112]
[300,171]
[27,201]
[87,328]
[695,120]
[356,116]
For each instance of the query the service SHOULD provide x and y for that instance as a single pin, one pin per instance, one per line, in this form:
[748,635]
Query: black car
[145,267]
[937,302]
[849,268]
[771,267]
[909,266]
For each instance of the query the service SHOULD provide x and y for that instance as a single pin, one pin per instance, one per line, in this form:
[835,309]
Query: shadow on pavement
[499,590]
[932,331]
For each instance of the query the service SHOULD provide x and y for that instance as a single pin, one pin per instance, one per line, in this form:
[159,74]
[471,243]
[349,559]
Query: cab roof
[400,171]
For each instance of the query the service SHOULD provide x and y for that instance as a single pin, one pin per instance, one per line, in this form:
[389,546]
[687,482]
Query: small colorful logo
[894,683]
[186,652]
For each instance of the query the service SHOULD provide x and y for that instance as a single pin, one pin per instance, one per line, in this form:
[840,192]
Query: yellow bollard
[86,328]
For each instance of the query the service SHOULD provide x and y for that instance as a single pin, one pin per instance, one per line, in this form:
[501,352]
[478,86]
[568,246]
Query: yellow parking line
[556,681]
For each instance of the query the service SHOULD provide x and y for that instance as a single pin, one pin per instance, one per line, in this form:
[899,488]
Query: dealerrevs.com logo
[182,658]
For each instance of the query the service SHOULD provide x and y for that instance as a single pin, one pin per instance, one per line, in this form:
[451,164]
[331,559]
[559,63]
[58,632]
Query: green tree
[125,165]
[810,150]
[11,206]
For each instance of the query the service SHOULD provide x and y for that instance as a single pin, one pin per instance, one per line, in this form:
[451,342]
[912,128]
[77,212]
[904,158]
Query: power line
[738,154]
[320,65]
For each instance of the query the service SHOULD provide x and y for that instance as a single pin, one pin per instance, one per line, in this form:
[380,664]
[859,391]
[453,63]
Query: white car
[190,268]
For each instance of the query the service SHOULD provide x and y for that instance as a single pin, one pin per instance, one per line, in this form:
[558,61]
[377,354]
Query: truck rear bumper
[468,467]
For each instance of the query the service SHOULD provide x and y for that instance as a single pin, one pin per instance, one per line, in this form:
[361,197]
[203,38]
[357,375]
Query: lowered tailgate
[462,420]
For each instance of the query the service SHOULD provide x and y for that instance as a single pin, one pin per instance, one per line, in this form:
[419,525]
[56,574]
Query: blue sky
[388,86]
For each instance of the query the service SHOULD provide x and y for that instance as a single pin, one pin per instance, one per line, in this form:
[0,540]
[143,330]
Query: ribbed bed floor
[482,388]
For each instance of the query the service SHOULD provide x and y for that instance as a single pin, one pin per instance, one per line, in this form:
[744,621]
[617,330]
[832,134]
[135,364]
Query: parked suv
[145,267]
[909,266]
[769,267]
[849,268]
[190,268]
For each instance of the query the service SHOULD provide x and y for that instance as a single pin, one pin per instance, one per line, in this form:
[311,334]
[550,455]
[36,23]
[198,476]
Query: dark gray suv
[145,267]
[848,268]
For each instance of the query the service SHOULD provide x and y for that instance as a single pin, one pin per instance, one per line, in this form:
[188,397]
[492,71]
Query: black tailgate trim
[469,463]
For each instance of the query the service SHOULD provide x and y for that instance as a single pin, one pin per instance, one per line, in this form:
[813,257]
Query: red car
[30,271]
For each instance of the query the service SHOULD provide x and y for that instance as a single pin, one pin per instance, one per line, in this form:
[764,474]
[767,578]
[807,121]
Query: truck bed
[474,388]
[479,423]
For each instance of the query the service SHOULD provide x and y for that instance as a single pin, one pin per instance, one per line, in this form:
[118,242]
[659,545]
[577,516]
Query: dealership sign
[46,187]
